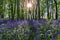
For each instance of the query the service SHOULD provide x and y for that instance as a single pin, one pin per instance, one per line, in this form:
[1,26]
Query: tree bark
[18,9]
[1,9]
[56,9]
[12,14]
[38,7]
[47,9]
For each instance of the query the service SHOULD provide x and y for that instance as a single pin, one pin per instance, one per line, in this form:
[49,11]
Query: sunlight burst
[29,5]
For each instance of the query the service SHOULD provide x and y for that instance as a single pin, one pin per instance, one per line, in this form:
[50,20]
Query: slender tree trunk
[14,8]
[52,9]
[47,9]
[18,9]
[9,10]
[42,13]
[12,13]
[38,7]
[56,9]
[1,9]
[36,13]
[22,17]
[22,10]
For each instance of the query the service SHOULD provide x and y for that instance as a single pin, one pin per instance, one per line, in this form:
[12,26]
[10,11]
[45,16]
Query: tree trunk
[47,9]
[18,9]
[56,9]
[12,14]
[38,7]
[1,9]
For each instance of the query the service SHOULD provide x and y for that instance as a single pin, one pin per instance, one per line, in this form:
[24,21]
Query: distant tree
[18,9]
[47,8]
[12,13]
[1,8]
[38,7]
[56,9]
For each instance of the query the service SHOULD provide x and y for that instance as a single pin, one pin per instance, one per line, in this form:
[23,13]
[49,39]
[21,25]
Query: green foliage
[13,9]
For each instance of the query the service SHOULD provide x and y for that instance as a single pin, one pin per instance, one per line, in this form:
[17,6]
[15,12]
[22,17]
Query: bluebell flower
[2,30]
[16,39]
[19,22]
[36,24]
[18,31]
[37,32]
[30,22]
[55,22]
[58,33]
[43,22]
[11,31]
[55,33]
[58,24]
[2,25]
[25,21]
[26,32]
[3,22]
[47,33]
[53,38]
[33,29]
[11,24]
